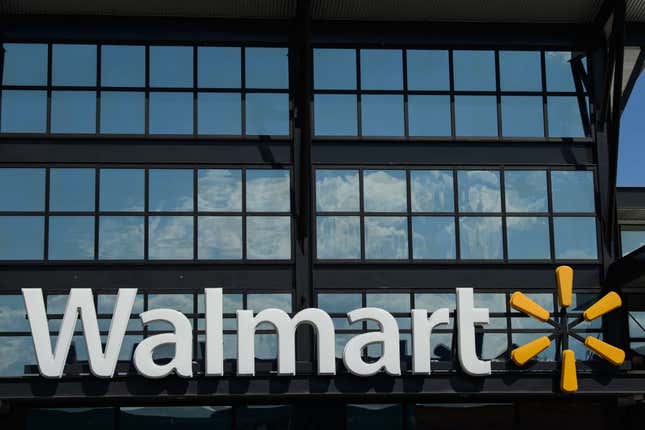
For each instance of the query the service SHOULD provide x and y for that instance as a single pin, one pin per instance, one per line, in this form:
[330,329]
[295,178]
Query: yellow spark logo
[609,302]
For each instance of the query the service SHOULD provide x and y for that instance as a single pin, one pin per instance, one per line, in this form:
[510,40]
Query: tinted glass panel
[429,115]
[22,189]
[95,418]
[21,238]
[267,114]
[13,316]
[385,190]
[72,189]
[171,190]
[374,416]
[220,190]
[337,190]
[432,190]
[335,115]
[428,70]
[565,119]
[267,68]
[480,238]
[268,238]
[267,190]
[122,190]
[474,70]
[559,76]
[71,238]
[528,238]
[121,238]
[386,238]
[123,66]
[170,237]
[575,238]
[24,111]
[381,69]
[476,115]
[520,71]
[573,191]
[479,191]
[338,237]
[433,238]
[631,240]
[382,115]
[335,69]
[522,116]
[219,113]
[24,64]
[74,65]
[176,417]
[219,67]
[171,113]
[123,112]
[219,238]
[339,303]
[171,66]
[525,191]
[73,112]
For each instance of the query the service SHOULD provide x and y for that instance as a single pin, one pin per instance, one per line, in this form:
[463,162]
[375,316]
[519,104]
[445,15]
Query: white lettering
[467,316]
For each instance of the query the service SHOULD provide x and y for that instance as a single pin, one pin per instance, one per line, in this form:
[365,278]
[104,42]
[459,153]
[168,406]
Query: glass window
[520,71]
[21,238]
[386,238]
[268,417]
[381,69]
[267,190]
[631,240]
[391,302]
[219,67]
[575,238]
[335,69]
[74,65]
[522,116]
[428,70]
[267,114]
[268,238]
[170,238]
[335,115]
[339,303]
[519,339]
[171,113]
[171,66]
[525,191]
[122,190]
[171,190]
[573,191]
[432,190]
[433,238]
[72,189]
[338,237]
[480,238]
[260,302]
[24,64]
[267,67]
[528,238]
[176,417]
[73,112]
[121,238]
[479,191]
[636,323]
[219,113]
[337,190]
[385,191]
[23,111]
[476,115]
[565,119]
[429,115]
[18,352]
[474,70]
[493,346]
[13,316]
[123,112]
[219,238]
[382,115]
[123,66]
[220,190]
[433,301]
[559,75]
[22,189]
[374,416]
[71,237]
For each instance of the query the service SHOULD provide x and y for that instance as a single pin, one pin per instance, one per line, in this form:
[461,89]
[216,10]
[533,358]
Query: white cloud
[268,191]
[220,190]
[337,190]
[338,237]
[386,238]
[268,237]
[385,190]
[432,191]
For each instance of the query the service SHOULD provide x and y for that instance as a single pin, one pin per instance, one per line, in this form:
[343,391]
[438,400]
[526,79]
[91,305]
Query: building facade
[325,155]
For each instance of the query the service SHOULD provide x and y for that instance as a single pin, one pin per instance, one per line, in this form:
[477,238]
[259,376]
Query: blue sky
[631,159]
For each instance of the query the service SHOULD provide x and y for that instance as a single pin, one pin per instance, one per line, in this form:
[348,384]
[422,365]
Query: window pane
[24,64]
[22,189]
[474,70]
[267,67]
[476,115]
[71,238]
[267,190]
[428,70]
[385,191]
[338,237]
[522,116]
[171,190]
[21,238]
[391,302]
[219,67]
[13,316]
[381,69]
[433,238]
[432,190]
[220,190]
[72,189]
[480,238]
[520,71]
[121,238]
[171,66]
[122,190]
[374,416]
[335,115]
[123,112]
[170,238]
[267,114]
[479,191]
[429,115]
[528,238]
[74,65]
[219,238]
[260,302]
[525,191]
[176,417]
[337,190]
[433,301]
[123,66]
[565,119]
[631,240]
[171,113]
[268,238]
[24,111]
[636,324]
[575,238]
[386,238]
[73,112]
[573,191]
[339,303]
[219,113]
[382,115]
[559,76]
[18,352]
[335,69]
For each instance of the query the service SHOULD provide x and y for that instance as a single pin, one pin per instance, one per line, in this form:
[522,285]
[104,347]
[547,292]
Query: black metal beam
[633,77]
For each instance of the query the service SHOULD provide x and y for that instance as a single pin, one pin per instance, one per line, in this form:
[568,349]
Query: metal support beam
[633,77]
